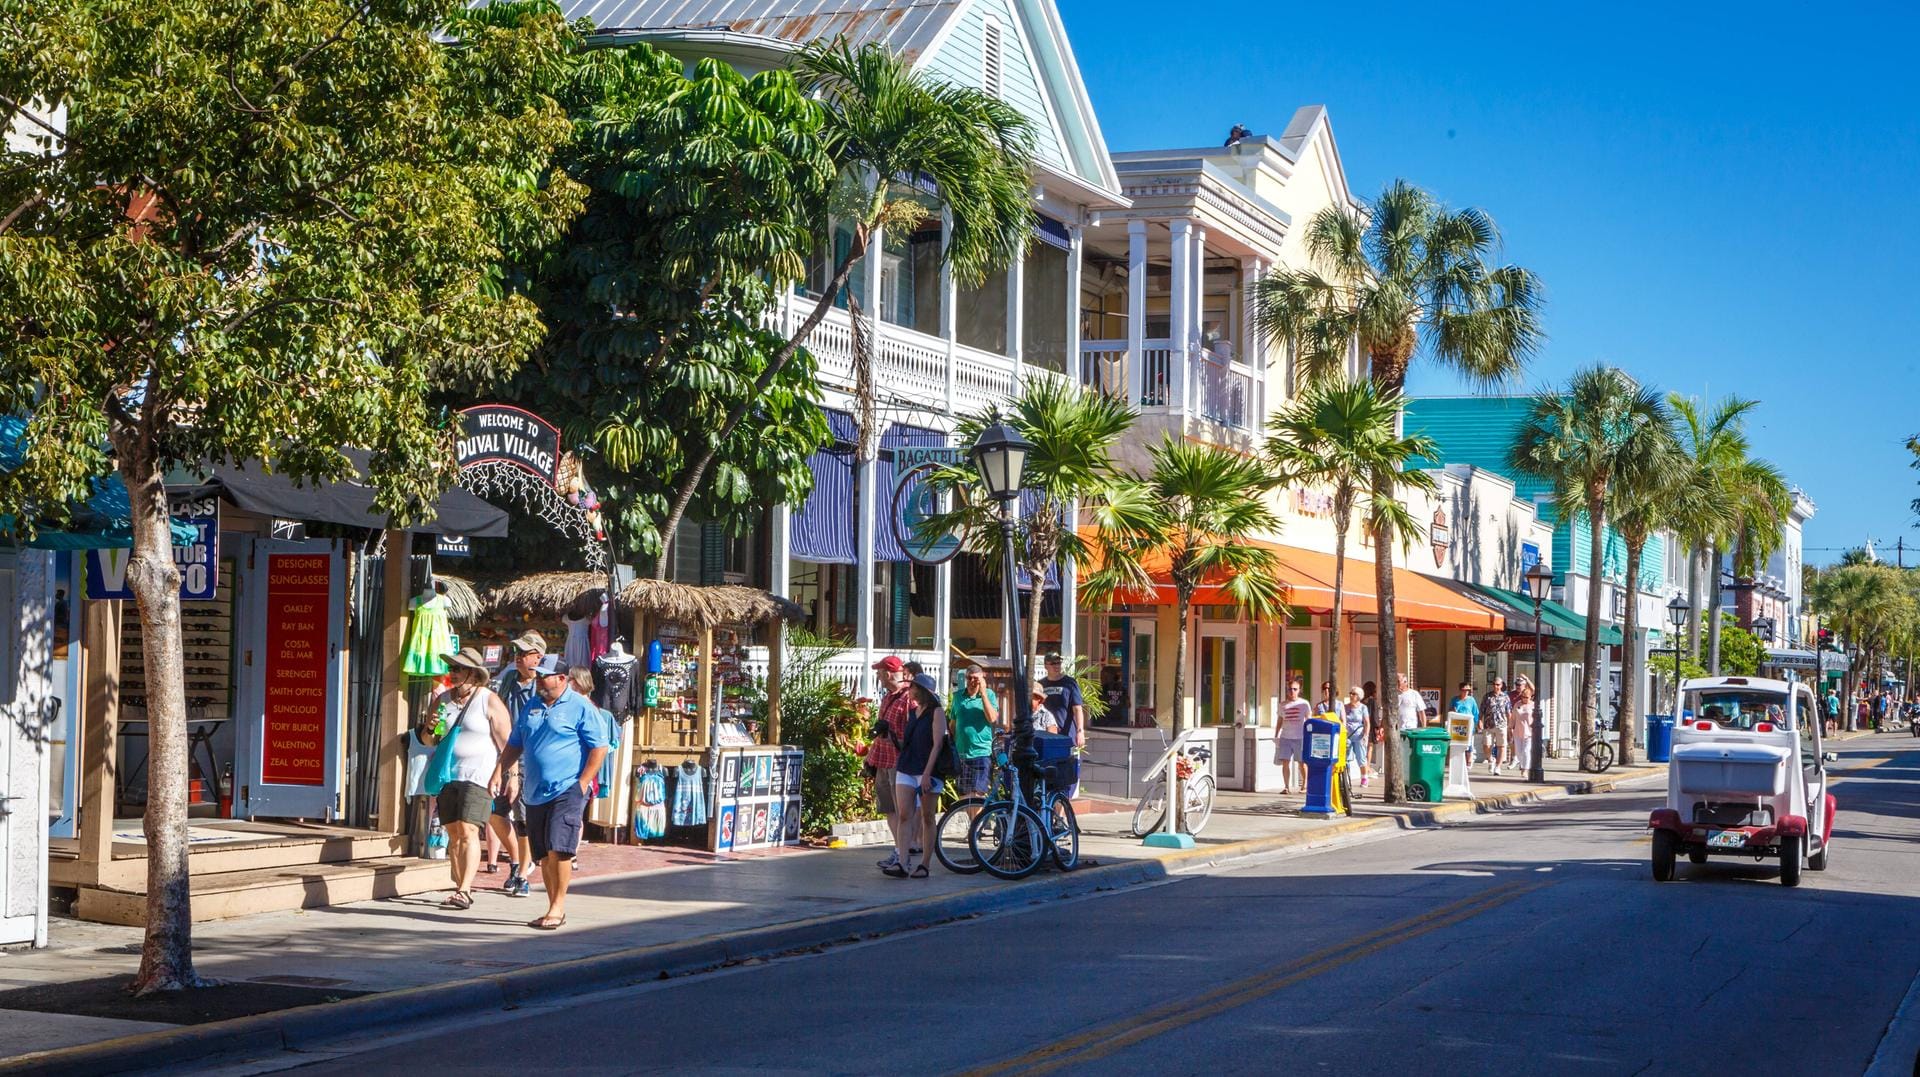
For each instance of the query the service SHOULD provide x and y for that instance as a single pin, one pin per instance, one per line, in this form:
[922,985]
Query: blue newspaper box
[1660,738]
[1321,753]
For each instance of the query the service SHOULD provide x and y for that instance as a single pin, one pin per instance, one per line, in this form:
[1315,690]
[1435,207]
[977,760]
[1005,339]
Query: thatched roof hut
[545,596]
[706,607]
[463,603]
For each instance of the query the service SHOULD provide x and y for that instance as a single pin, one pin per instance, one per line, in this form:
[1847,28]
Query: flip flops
[547,923]
[459,899]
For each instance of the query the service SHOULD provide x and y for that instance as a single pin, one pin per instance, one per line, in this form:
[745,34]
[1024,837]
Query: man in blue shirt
[1467,705]
[562,741]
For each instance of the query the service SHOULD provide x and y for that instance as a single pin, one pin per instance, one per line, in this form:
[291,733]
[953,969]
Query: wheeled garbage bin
[1660,738]
[1426,764]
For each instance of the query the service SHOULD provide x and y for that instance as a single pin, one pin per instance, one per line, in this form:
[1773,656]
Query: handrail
[1167,756]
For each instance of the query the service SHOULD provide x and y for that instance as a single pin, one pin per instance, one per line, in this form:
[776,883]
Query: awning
[820,531]
[1556,619]
[458,512]
[103,521]
[886,545]
[1790,658]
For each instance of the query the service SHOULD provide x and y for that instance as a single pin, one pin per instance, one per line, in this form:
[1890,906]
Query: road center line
[1102,1041]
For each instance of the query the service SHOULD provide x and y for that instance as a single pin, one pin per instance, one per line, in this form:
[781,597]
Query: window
[1043,320]
[990,57]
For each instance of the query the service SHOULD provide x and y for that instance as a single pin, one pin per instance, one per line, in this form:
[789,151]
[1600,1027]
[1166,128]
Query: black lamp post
[999,454]
[1538,579]
[1678,612]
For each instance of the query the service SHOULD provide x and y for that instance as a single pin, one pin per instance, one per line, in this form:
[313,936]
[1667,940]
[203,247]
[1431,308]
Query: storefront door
[289,703]
[1220,675]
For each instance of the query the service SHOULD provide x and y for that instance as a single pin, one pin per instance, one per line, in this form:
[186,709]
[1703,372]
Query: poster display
[294,737]
[756,797]
[199,576]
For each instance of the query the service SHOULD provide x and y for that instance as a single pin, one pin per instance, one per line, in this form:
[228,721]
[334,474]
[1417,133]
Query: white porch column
[1180,311]
[1076,244]
[780,576]
[1070,594]
[866,480]
[1250,347]
[1197,321]
[949,305]
[1136,310]
[1016,310]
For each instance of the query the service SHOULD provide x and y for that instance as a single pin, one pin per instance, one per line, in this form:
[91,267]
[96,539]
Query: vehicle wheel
[1196,807]
[1152,809]
[1065,830]
[1664,847]
[1008,842]
[950,843]
[1417,792]
[1818,861]
[1696,856]
[1793,851]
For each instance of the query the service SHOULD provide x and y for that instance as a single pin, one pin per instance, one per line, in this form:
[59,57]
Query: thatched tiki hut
[705,609]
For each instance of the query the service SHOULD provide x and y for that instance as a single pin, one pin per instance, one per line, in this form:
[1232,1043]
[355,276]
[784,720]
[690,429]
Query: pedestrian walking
[1410,707]
[477,720]
[916,789]
[1521,723]
[1288,746]
[1357,718]
[1064,700]
[562,744]
[1376,722]
[1862,711]
[1494,713]
[1833,711]
[883,751]
[975,711]
[507,819]
[1327,703]
[1464,703]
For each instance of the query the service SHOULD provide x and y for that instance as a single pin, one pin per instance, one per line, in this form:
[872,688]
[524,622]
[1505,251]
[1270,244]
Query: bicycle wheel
[1008,841]
[1152,809]
[1196,807]
[1605,751]
[1590,760]
[950,837]
[1064,830]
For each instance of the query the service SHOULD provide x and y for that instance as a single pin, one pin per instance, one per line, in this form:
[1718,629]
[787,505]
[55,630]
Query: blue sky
[1717,205]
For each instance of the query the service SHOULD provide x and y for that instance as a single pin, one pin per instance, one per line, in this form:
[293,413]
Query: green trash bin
[1426,764]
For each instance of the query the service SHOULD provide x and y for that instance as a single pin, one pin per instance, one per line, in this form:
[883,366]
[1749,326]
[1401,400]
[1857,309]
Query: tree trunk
[166,957]
[1185,591]
[1396,790]
[1693,603]
[1341,518]
[1038,595]
[1630,661]
[1590,647]
[690,482]
[1712,612]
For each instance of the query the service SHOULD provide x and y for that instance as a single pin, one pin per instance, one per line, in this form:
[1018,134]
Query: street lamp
[999,454]
[1678,612]
[1538,579]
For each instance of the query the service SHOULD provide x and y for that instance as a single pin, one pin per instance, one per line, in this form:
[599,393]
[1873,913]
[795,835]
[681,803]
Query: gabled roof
[906,26]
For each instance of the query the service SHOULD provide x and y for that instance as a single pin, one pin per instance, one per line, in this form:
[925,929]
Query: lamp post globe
[1538,579]
[999,454]
[1677,612]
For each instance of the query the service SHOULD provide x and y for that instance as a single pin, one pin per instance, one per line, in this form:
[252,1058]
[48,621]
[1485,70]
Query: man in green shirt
[976,714]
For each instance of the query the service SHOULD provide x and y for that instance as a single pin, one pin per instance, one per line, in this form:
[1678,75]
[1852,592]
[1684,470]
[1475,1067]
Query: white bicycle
[1185,758]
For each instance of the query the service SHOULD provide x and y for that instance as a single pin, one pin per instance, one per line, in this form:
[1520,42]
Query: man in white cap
[562,741]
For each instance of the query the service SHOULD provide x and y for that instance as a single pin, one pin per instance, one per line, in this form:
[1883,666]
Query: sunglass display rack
[206,633]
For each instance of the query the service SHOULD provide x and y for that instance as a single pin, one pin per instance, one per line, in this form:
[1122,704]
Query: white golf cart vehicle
[1747,778]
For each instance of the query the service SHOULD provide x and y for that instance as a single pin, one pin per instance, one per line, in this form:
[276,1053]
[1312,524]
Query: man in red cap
[896,701]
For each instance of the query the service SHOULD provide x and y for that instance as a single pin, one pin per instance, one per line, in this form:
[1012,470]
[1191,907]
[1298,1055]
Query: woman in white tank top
[478,721]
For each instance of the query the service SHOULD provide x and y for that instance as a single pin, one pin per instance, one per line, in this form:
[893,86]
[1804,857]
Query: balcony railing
[1224,388]
[847,667]
[911,367]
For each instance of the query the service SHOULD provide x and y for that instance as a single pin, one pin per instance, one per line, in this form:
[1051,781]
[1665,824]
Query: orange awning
[1306,578]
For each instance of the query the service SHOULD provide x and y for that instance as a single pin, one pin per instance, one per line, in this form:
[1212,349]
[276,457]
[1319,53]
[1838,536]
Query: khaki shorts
[883,789]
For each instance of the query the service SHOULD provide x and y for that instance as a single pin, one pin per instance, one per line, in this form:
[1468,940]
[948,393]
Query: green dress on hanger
[429,640]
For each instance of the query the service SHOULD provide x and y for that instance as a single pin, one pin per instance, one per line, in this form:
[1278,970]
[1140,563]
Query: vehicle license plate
[1726,839]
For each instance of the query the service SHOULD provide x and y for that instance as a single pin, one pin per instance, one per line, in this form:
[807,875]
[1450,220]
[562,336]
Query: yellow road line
[1103,1041]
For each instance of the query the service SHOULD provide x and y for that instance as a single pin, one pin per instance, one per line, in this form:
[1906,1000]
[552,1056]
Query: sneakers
[892,860]
[516,884]
[523,889]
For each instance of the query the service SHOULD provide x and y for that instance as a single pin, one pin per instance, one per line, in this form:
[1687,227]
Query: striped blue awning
[821,530]
[886,546]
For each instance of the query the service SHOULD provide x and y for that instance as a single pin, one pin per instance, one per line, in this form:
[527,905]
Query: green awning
[1556,620]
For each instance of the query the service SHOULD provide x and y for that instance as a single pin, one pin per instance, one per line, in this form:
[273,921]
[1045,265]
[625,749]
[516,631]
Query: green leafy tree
[1195,517]
[1343,434]
[1602,430]
[1870,605]
[1402,278]
[1074,433]
[264,232]
[1646,494]
[1741,652]
[817,714]
[703,192]
[884,120]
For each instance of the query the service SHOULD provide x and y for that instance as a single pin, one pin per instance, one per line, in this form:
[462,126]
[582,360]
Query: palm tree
[1760,499]
[1343,433]
[1405,276]
[1198,510]
[885,120]
[1646,495]
[1715,444]
[1073,433]
[1602,429]
[1872,605]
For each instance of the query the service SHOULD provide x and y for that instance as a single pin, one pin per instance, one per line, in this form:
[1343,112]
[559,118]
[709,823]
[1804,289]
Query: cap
[469,657]
[1053,656]
[531,642]
[890,664]
[551,664]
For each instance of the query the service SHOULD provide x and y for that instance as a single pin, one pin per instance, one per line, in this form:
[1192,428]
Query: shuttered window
[990,57]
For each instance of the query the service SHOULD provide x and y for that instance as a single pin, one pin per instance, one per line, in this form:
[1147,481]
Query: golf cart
[1747,778]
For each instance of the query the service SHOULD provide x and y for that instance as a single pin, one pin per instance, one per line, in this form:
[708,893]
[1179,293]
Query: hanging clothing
[613,683]
[650,806]
[603,785]
[429,640]
[417,756]
[690,795]
[579,649]
[599,633]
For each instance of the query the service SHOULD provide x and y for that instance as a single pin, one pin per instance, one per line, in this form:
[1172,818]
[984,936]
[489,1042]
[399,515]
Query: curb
[309,1027]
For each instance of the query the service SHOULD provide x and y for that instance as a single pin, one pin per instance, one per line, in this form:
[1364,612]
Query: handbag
[440,765]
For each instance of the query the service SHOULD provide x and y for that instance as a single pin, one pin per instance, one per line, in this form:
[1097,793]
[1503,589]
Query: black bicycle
[1012,836]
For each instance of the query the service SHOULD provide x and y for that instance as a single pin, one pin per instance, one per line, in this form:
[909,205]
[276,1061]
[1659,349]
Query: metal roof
[906,26]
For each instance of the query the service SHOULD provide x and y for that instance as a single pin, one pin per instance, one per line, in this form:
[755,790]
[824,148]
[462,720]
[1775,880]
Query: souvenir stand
[695,724]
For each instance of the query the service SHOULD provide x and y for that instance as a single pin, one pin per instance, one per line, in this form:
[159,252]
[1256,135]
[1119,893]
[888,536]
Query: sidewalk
[694,909]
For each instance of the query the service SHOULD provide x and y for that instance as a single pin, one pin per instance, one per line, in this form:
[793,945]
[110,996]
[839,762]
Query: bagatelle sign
[501,433]
[915,501]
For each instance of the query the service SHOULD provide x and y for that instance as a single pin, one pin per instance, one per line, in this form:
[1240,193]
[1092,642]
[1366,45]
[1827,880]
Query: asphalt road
[1534,941]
